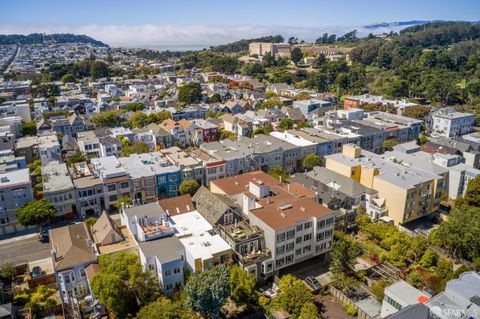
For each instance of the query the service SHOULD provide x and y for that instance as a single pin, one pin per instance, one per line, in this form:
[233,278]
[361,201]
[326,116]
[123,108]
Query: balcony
[154,228]
[241,231]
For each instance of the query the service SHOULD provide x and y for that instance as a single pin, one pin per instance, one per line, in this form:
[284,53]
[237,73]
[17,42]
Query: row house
[190,167]
[176,130]
[209,130]
[114,177]
[15,191]
[162,136]
[190,112]
[58,188]
[146,136]
[67,125]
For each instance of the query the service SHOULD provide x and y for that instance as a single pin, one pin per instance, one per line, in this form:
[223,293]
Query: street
[23,250]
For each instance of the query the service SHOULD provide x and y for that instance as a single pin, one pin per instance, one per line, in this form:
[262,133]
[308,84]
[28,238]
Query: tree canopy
[188,186]
[311,160]
[36,213]
[122,285]
[190,93]
[208,290]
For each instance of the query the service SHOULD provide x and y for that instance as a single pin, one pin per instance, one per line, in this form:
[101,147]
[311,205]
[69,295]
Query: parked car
[313,283]
[43,236]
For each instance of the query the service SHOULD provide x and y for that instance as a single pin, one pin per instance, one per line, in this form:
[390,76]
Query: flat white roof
[292,139]
[197,235]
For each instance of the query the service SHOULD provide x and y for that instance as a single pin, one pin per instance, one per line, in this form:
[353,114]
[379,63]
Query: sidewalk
[17,238]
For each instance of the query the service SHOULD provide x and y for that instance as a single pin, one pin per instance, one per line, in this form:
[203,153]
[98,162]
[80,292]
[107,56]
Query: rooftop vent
[284,207]
[4,180]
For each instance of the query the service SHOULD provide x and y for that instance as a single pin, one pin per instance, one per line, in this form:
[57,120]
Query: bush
[378,288]
[350,309]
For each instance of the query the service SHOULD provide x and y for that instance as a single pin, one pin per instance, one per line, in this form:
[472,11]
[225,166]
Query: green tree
[124,200]
[165,308]
[319,61]
[136,148]
[309,311]
[429,259]
[418,111]
[7,271]
[76,158]
[423,139]
[110,118]
[215,98]
[472,194]
[279,173]
[296,55]
[122,285]
[208,290]
[389,144]
[227,134]
[344,255]
[190,93]
[135,106]
[294,294]
[460,241]
[378,288]
[285,124]
[41,302]
[188,186]
[270,103]
[36,213]
[311,160]
[68,78]
[242,287]
[90,221]
[29,128]
[137,119]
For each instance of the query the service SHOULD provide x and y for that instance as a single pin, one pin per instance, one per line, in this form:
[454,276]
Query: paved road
[23,250]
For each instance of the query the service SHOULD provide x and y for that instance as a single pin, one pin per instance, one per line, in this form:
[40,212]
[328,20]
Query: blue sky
[138,22]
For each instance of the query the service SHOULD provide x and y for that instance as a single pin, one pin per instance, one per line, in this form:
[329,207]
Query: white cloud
[183,35]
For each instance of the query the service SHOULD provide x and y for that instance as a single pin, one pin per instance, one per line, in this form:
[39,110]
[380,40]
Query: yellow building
[410,193]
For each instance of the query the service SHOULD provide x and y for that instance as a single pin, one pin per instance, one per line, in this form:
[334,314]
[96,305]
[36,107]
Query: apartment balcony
[154,228]
[253,257]
[241,231]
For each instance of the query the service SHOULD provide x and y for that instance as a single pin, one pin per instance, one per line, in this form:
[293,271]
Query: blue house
[168,181]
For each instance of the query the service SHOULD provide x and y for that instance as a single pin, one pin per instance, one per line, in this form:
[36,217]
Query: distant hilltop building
[261,48]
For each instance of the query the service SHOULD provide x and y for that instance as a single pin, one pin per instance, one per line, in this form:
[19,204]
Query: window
[298,240]
[289,259]
[289,246]
[308,225]
[290,234]
[176,270]
[281,237]
[168,287]
[330,221]
[280,250]
[83,273]
[320,236]
[280,262]
[168,273]
[321,224]
[72,276]
[298,251]
[300,227]
[66,278]
[124,185]
[307,237]
[112,188]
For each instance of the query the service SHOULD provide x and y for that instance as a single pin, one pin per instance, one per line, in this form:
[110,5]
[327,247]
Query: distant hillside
[45,38]
[242,45]
[404,24]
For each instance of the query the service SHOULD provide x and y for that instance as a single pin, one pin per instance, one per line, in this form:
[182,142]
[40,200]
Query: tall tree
[296,55]
[188,186]
[242,286]
[472,194]
[311,160]
[122,285]
[190,93]
[36,213]
[208,290]
[294,294]
[344,255]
